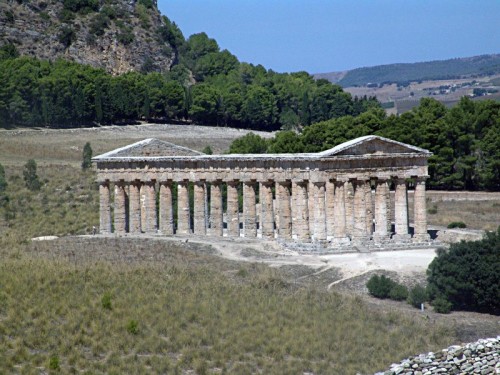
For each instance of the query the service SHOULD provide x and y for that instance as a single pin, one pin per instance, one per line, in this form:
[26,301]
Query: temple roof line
[372,146]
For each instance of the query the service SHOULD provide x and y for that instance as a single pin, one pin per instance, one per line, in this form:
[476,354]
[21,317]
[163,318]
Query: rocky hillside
[117,35]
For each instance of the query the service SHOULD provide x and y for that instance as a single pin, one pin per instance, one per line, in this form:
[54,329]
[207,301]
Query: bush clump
[468,275]
[417,296]
[380,286]
[441,305]
[457,224]
[398,293]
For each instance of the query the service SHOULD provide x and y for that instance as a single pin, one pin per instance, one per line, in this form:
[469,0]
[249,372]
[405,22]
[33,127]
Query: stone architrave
[339,234]
[359,229]
[381,192]
[166,210]
[104,208]
[249,209]
[135,207]
[369,209]
[267,209]
[330,208]
[319,212]
[401,210]
[199,209]
[150,207]
[300,211]
[233,212]
[285,214]
[420,211]
[349,207]
[120,211]
[216,213]
[183,209]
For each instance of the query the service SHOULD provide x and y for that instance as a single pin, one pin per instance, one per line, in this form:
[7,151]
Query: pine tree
[87,156]
[30,177]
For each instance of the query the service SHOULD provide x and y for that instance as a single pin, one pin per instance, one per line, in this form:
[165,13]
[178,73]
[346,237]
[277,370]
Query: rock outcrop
[118,36]
[480,357]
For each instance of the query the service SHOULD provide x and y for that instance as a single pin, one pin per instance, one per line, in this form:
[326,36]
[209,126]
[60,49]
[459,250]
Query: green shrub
[417,296]
[66,36]
[380,286]
[398,292]
[54,363]
[83,6]
[87,156]
[125,37]
[432,210]
[99,24]
[106,301]
[457,224]
[3,181]
[133,327]
[9,16]
[441,305]
[467,275]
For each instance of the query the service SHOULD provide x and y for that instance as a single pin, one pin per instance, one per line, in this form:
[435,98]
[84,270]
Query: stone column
[330,208]
[266,209]
[284,205]
[300,211]
[134,207]
[339,233]
[401,210]
[104,208]
[166,208]
[142,198]
[216,213]
[199,208]
[150,207]
[420,211]
[311,200]
[389,207]
[369,209]
[319,212]
[233,212]
[381,193]
[183,213]
[249,209]
[119,212]
[359,229]
[349,207]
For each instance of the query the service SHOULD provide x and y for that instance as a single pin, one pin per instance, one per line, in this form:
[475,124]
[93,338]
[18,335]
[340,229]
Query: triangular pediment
[151,147]
[372,145]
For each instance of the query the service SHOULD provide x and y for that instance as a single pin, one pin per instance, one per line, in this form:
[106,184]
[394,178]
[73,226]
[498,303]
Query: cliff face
[116,35]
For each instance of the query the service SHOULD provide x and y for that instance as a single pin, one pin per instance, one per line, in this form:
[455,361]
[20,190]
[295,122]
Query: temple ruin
[339,197]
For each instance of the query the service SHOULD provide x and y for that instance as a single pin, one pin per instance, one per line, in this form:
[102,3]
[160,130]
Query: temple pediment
[150,147]
[372,145]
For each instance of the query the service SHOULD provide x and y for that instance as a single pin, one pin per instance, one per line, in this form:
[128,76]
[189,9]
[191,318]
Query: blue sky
[323,36]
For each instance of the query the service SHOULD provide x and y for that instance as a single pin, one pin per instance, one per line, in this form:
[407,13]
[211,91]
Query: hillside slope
[116,35]
[422,71]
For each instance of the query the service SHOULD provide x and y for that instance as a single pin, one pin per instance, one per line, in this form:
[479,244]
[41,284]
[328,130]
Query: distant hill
[118,36]
[475,66]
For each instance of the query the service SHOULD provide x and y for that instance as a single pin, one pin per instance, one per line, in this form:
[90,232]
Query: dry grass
[172,318]
[483,215]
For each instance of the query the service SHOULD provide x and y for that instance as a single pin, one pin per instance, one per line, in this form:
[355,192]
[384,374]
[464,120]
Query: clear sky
[322,36]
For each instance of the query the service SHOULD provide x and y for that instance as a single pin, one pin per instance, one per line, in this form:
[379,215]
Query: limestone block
[330,208]
[216,213]
[319,212]
[120,211]
[300,211]
[401,210]
[134,207]
[349,207]
[284,209]
[199,210]
[420,212]
[232,214]
[183,209]
[267,212]
[166,208]
[150,207]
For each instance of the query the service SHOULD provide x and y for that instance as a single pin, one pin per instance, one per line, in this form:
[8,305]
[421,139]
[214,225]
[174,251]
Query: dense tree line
[207,86]
[464,140]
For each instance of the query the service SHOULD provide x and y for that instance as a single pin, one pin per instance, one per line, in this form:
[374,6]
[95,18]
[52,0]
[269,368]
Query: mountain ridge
[461,67]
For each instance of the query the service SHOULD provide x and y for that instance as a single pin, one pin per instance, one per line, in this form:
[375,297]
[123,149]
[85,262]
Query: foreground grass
[117,318]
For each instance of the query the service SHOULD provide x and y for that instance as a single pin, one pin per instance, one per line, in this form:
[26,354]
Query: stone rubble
[480,357]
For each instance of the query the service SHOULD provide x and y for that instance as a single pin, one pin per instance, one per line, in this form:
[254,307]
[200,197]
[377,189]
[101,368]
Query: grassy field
[153,307]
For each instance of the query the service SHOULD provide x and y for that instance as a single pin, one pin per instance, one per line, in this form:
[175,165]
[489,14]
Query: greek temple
[354,193]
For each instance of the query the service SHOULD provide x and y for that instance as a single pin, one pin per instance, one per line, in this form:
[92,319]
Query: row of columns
[336,210]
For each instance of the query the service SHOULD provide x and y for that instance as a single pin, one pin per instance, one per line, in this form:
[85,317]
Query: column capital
[319,183]
[420,178]
[233,182]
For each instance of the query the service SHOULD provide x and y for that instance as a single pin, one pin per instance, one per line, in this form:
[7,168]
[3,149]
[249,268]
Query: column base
[340,241]
[381,238]
[402,237]
[421,237]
